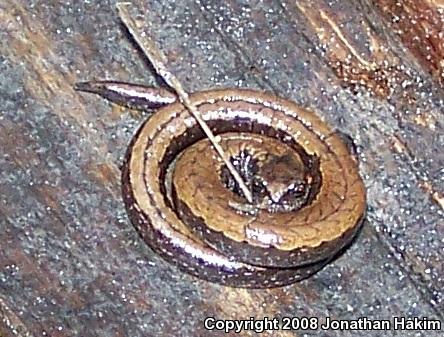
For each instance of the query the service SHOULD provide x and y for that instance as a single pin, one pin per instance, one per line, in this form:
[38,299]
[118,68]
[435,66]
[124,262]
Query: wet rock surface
[71,263]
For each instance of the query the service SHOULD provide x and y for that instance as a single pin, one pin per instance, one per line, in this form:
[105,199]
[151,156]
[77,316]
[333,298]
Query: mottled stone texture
[70,261]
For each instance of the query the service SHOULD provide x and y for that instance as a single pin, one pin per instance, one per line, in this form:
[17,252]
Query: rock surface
[71,263]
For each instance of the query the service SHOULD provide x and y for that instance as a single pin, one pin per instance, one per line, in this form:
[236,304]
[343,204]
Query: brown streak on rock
[376,74]
[419,24]
[436,195]
[245,300]
[11,325]
[42,278]
[44,82]
[105,174]
[425,120]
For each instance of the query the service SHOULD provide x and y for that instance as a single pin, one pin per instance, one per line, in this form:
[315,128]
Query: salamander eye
[301,188]
[297,189]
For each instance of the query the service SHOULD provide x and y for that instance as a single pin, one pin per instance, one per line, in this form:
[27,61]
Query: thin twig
[158,60]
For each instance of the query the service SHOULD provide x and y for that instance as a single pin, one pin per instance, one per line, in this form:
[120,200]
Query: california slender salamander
[221,243]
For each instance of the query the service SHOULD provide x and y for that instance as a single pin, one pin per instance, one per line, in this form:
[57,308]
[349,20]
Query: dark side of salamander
[308,262]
